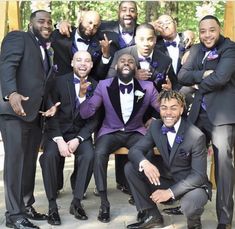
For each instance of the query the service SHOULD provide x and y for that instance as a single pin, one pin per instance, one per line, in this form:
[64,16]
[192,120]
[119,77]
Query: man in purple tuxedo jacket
[125,101]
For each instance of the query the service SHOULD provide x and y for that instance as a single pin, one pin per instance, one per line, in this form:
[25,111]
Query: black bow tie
[87,42]
[123,87]
[147,59]
[166,129]
[170,43]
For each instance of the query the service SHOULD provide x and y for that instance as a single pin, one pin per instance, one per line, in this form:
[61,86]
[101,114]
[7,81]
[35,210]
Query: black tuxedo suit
[218,120]
[21,70]
[182,168]
[64,50]
[68,124]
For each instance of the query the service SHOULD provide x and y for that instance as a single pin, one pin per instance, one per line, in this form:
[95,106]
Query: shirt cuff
[105,60]
[57,138]
[81,99]
[141,169]
[172,194]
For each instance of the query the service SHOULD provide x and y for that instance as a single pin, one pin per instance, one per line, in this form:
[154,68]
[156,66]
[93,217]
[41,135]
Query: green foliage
[183,11]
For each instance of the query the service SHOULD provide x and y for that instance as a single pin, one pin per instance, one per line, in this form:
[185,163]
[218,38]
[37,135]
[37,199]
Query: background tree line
[184,12]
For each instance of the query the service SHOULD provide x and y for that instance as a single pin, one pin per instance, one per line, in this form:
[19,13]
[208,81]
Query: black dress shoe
[123,188]
[104,214]
[53,217]
[173,211]
[131,200]
[24,223]
[141,215]
[9,223]
[31,213]
[149,222]
[224,226]
[78,212]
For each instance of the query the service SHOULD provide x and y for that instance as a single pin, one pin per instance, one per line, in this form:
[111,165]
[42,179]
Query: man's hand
[207,73]
[161,195]
[151,172]
[168,85]
[65,28]
[15,100]
[73,145]
[83,87]
[189,37]
[157,26]
[143,74]
[63,148]
[105,47]
[50,112]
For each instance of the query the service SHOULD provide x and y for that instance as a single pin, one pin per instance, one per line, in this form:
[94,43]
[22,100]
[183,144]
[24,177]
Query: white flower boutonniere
[139,95]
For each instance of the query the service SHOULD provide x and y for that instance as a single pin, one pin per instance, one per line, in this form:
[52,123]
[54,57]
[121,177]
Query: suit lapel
[163,142]
[114,96]
[72,92]
[178,139]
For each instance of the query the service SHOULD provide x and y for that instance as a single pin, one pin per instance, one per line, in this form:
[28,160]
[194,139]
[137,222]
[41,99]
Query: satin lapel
[72,93]
[138,101]
[176,144]
[134,53]
[164,149]
[114,96]
[37,47]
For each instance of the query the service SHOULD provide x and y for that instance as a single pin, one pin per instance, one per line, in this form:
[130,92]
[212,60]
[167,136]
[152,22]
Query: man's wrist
[80,139]
[171,193]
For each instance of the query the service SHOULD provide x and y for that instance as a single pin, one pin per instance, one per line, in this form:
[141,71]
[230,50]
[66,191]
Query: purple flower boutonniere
[154,64]
[96,54]
[179,139]
[94,44]
[213,54]
[159,76]
[89,92]
[181,48]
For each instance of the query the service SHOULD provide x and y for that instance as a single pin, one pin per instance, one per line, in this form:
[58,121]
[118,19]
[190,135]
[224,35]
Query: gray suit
[183,169]
[217,91]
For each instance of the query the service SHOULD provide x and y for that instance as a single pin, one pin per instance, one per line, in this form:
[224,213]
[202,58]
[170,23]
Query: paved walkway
[122,213]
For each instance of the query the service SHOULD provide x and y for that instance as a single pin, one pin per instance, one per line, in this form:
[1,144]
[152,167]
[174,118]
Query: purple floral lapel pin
[179,139]
[213,54]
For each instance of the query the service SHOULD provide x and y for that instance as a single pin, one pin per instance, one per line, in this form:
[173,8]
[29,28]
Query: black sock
[76,202]
[104,199]
[52,204]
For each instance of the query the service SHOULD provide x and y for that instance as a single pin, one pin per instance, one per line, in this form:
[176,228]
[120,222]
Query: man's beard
[81,30]
[125,77]
[41,39]
[130,28]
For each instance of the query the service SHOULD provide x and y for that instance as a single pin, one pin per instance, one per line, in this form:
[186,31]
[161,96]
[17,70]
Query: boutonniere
[89,91]
[159,76]
[181,47]
[213,54]
[94,44]
[55,68]
[139,95]
[154,64]
[96,54]
[179,139]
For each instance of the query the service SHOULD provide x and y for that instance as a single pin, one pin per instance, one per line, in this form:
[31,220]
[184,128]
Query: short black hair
[120,4]
[171,94]
[33,15]
[145,26]
[210,17]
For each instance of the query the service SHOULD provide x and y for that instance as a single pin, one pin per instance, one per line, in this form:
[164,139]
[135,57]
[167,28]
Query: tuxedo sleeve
[189,73]
[198,174]
[223,71]
[137,152]
[12,50]
[92,104]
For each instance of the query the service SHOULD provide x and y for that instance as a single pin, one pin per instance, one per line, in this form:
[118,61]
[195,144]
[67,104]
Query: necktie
[123,87]
[166,129]
[148,59]
[170,43]
[87,42]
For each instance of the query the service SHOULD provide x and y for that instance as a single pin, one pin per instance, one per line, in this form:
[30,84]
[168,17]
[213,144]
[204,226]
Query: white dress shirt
[126,37]
[145,64]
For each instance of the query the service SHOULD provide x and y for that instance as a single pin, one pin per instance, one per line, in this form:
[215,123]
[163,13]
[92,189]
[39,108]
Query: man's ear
[116,67]
[72,63]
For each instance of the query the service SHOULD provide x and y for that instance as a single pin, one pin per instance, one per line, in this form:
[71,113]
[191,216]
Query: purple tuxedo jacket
[107,93]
